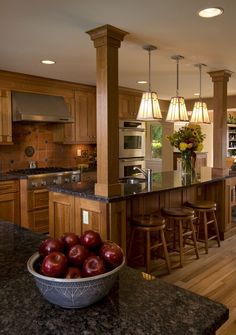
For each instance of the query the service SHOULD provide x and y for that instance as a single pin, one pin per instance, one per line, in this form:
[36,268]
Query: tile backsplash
[45,151]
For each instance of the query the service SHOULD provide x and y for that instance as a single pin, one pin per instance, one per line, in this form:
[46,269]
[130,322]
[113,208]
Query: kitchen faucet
[147,174]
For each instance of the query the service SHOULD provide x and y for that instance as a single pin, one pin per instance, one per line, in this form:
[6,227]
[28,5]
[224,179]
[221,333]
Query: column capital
[220,75]
[107,35]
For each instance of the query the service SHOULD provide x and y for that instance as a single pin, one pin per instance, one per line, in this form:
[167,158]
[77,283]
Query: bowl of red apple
[76,271]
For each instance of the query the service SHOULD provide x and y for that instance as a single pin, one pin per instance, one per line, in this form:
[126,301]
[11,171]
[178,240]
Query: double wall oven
[131,147]
[34,193]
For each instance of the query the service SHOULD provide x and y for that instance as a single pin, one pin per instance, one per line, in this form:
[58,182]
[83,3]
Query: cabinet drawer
[38,199]
[9,186]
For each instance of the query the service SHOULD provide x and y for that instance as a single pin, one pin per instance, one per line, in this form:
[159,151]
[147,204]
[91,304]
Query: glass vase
[188,165]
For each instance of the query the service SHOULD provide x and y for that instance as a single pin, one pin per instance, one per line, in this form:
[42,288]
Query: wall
[47,153]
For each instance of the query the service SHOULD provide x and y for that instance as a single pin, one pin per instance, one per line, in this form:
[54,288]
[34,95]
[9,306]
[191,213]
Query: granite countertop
[133,306]
[161,181]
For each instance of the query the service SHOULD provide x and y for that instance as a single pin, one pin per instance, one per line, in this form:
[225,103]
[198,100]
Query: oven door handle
[132,130]
[131,159]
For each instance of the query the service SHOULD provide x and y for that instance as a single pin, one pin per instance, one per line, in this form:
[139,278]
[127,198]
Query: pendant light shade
[149,108]
[177,109]
[200,112]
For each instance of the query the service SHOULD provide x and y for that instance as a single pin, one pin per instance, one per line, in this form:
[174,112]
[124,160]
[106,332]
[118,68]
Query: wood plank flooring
[213,275]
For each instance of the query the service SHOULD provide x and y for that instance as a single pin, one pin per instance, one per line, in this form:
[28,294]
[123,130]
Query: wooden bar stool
[180,223]
[148,224]
[205,217]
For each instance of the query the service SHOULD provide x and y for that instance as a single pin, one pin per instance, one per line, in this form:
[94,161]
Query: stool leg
[148,252]
[216,228]
[181,251]
[163,240]
[194,239]
[205,231]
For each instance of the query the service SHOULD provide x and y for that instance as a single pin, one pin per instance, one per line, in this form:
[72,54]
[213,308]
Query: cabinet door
[5,117]
[129,105]
[9,201]
[61,214]
[85,110]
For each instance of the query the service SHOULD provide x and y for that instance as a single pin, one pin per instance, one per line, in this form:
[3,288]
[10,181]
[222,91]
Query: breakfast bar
[76,207]
[137,304]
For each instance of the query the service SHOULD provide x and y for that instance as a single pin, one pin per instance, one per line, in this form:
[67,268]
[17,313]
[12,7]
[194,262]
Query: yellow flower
[183,146]
[200,147]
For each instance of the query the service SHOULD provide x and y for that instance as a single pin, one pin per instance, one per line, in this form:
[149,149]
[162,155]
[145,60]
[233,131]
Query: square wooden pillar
[107,39]
[220,79]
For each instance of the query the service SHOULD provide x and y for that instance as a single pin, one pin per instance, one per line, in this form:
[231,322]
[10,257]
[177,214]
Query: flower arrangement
[188,138]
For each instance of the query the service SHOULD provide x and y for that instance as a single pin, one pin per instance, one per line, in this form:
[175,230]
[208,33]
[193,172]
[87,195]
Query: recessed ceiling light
[211,12]
[197,94]
[48,61]
[142,82]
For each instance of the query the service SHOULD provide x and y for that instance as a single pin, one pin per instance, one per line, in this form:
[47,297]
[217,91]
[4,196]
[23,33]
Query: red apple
[111,253]
[54,265]
[77,254]
[93,266]
[70,239]
[50,245]
[90,239]
[73,273]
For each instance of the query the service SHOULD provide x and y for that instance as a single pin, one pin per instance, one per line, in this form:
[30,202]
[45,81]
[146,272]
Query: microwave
[131,139]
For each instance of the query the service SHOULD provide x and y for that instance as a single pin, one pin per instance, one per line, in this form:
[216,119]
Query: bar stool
[150,223]
[180,223]
[205,216]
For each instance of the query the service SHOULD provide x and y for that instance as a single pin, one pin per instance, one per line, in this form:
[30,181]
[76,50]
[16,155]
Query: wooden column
[220,79]
[107,39]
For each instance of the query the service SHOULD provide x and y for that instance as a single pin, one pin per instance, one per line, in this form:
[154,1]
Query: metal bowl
[73,293]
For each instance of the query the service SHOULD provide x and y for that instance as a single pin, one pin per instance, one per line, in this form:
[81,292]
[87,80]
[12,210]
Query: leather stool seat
[147,224]
[205,217]
[180,223]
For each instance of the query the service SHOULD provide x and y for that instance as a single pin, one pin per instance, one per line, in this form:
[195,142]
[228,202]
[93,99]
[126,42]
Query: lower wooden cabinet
[9,201]
[75,214]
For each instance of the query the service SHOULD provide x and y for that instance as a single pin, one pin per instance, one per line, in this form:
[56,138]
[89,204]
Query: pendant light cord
[177,84]
[200,88]
[149,68]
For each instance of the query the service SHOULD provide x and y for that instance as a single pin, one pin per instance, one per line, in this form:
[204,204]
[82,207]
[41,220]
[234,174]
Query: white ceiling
[31,30]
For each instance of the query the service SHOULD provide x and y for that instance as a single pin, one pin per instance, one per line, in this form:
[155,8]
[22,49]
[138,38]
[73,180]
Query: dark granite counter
[134,305]
[5,177]
[162,181]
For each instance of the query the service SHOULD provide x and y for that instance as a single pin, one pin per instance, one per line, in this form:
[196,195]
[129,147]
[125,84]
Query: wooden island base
[78,209]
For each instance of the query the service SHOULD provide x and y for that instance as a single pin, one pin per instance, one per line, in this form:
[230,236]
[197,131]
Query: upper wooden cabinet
[5,117]
[129,102]
[83,111]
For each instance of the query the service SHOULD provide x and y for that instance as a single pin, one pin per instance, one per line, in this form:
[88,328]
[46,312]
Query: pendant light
[149,108]
[200,112]
[177,109]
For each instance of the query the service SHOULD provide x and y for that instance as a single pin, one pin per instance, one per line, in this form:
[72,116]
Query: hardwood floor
[213,275]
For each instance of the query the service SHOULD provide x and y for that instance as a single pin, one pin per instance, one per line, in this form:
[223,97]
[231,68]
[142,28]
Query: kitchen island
[76,207]
[134,306]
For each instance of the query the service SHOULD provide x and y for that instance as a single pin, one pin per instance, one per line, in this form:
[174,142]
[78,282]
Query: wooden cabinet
[83,111]
[129,102]
[38,210]
[9,201]
[5,117]
[75,214]
[61,214]
[230,206]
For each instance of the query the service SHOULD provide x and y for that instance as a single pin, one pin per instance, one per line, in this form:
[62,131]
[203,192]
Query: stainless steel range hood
[39,108]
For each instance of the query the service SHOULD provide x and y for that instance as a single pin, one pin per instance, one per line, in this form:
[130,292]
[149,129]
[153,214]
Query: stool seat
[177,212]
[204,217]
[149,220]
[149,224]
[180,222]
[204,204]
